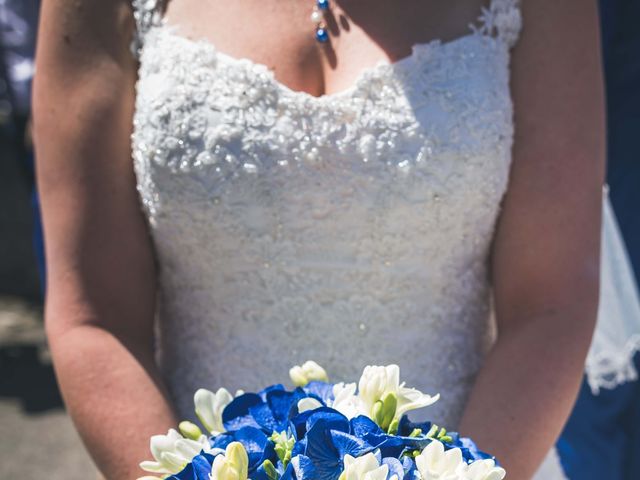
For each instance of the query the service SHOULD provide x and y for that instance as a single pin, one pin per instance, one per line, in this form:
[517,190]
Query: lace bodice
[351,229]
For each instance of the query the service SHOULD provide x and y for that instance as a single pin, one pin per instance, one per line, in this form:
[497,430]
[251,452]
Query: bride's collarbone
[280,35]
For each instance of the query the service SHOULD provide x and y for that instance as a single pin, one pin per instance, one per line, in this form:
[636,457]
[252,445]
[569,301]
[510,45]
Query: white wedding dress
[351,229]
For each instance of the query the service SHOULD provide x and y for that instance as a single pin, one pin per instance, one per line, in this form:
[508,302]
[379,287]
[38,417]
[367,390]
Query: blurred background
[38,438]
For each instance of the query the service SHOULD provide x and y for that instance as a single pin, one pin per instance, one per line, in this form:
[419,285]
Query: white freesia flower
[308,372]
[345,400]
[209,407]
[375,382]
[308,403]
[364,468]
[382,384]
[484,470]
[434,463]
[232,465]
[172,452]
[412,399]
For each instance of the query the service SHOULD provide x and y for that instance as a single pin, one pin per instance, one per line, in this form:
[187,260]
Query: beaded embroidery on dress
[291,227]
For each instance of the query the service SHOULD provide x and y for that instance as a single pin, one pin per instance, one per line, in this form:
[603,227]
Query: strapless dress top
[352,228]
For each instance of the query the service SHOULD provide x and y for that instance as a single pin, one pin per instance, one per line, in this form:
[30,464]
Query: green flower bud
[393,428]
[280,451]
[389,406]
[376,412]
[190,430]
[433,431]
[283,446]
[416,432]
[270,470]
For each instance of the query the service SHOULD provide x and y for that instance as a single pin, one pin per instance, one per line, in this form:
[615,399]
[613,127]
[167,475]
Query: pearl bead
[316,16]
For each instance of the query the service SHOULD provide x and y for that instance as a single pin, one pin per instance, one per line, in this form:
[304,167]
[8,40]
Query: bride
[245,190]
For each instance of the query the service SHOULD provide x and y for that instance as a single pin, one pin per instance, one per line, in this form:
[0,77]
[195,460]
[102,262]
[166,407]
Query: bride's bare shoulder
[74,30]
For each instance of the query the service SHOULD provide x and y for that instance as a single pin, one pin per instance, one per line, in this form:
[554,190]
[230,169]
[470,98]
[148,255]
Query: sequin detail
[351,229]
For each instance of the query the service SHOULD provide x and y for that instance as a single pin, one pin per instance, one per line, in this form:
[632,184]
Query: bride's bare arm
[101,278]
[545,258]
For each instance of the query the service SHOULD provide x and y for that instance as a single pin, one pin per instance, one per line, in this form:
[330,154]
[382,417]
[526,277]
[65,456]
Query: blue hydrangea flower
[198,469]
[270,410]
[258,446]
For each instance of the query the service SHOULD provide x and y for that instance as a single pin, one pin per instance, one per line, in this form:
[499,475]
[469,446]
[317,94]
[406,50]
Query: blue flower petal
[348,444]
[222,440]
[406,426]
[323,391]
[330,418]
[202,466]
[302,468]
[410,469]
[237,414]
[361,426]
[389,445]
[198,469]
[408,464]
[328,441]
[299,447]
[322,453]
[258,446]
[289,473]
[298,424]
[263,393]
[282,403]
[263,416]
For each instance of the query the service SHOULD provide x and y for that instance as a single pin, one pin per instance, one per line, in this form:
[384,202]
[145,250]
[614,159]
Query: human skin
[101,271]
[545,255]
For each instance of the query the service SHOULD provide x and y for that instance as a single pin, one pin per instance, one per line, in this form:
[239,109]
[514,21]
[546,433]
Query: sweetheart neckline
[418,50]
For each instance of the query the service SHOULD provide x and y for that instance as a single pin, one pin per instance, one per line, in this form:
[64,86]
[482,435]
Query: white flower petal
[313,371]
[232,465]
[174,462]
[412,399]
[308,403]
[172,452]
[393,378]
[379,473]
[161,443]
[452,459]
[484,470]
[209,407]
[153,467]
[365,467]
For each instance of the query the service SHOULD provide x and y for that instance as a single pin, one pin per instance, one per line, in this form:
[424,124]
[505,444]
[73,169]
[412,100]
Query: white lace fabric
[616,340]
[290,227]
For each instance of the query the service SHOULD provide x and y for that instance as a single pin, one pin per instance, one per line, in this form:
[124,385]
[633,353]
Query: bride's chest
[211,128]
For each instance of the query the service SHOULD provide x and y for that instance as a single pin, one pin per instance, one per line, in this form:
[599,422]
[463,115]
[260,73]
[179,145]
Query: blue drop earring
[317,16]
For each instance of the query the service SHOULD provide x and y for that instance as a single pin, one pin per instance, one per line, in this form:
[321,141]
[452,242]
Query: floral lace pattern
[291,227]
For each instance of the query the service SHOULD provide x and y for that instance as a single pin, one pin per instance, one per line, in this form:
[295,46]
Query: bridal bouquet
[318,431]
